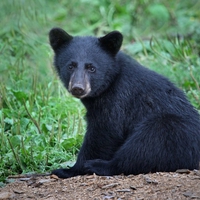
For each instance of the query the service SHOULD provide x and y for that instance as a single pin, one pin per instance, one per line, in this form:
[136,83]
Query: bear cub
[137,120]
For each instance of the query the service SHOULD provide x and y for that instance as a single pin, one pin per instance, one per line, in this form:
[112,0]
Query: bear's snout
[77,90]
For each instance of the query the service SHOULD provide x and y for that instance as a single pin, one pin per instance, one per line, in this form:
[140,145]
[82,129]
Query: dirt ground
[182,184]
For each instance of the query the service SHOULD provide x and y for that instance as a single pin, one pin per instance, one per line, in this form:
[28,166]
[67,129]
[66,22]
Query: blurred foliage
[41,125]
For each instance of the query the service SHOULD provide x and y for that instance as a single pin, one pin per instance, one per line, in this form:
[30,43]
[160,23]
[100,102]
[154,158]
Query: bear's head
[86,65]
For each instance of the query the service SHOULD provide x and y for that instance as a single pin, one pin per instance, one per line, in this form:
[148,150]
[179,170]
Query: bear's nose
[77,91]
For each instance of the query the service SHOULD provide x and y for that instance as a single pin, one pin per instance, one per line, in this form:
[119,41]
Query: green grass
[41,125]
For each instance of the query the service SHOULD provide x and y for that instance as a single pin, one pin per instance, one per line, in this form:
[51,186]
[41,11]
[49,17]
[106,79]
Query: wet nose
[77,90]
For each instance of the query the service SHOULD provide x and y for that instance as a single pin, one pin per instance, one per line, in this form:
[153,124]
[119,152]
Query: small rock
[197,172]
[190,194]
[149,180]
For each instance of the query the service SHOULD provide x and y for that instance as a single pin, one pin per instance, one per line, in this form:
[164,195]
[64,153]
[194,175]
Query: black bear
[137,120]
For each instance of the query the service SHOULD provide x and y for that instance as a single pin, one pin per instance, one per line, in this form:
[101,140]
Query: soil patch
[183,184]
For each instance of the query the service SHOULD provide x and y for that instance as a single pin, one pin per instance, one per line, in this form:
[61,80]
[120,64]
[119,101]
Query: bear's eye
[72,65]
[90,68]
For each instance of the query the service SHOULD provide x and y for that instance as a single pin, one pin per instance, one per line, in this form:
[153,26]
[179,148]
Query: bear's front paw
[98,166]
[63,173]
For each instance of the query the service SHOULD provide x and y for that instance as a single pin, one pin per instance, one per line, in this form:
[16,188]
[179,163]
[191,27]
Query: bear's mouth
[79,96]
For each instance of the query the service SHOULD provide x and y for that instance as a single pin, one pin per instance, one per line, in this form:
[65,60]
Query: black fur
[137,120]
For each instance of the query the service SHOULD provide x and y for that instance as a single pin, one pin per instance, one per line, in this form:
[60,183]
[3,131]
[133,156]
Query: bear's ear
[112,42]
[58,37]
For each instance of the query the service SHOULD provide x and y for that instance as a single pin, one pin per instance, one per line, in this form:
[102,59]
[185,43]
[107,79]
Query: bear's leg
[65,173]
[160,143]
[86,152]
[76,170]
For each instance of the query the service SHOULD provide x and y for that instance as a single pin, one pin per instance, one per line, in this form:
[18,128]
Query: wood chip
[24,179]
[133,188]
[18,191]
[183,171]
[54,176]
[44,180]
[123,190]
[108,197]
[110,185]
[6,195]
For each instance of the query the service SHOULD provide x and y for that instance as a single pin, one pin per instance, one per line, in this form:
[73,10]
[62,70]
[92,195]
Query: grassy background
[41,126]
